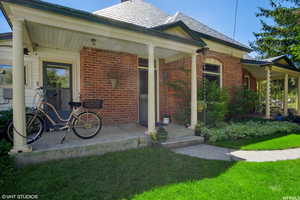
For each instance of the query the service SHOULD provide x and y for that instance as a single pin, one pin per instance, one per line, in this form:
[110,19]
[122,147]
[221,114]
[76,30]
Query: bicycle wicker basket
[92,103]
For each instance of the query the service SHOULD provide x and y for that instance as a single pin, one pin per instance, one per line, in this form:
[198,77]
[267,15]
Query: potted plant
[166,119]
[114,77]
[201,105]
[162,134]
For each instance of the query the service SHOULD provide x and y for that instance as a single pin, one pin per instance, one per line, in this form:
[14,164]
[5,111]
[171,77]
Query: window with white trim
[247,82]
[6,75]
[212,72]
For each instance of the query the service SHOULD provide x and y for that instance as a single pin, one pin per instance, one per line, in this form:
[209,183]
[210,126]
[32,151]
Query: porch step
[183,141]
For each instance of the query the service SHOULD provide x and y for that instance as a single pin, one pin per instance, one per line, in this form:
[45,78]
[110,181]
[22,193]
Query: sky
[218,14]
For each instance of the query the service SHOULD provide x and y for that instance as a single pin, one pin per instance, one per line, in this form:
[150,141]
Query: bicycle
[84,124]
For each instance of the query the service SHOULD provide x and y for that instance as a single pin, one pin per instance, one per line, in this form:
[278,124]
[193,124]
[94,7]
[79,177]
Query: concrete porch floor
[110,139]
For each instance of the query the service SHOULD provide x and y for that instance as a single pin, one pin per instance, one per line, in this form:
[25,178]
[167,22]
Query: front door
[58,86]
[143,96]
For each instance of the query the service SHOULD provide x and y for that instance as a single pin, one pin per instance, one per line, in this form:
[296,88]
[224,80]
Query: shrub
[6,163]
[234,131]
[5,117]
[244,101]
[217,102]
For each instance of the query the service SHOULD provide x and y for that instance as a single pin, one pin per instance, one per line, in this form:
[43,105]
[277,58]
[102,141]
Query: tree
[283,35]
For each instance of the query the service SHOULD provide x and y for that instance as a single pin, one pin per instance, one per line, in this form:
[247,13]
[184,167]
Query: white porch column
[268,95]
[194,119]
[157,92]
[286,91]
[20,144]
[151,90]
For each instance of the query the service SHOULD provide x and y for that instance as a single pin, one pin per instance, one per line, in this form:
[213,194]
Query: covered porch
[274,69]
[59,36]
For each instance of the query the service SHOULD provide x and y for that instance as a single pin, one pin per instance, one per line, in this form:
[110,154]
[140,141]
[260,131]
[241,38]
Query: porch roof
[274,61]
[6,36]
[83,15]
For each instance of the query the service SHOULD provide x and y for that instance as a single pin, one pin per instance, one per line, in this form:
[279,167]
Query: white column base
[20,149]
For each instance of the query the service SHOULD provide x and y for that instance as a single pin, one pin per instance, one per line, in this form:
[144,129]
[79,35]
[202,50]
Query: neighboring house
[76,53]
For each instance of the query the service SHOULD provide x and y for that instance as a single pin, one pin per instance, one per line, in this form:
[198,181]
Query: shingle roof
[144,14]
[271,61]
[202,28]
[136,12]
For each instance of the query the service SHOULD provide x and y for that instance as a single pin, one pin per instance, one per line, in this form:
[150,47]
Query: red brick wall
[253,84]
[120,104]
[168,103]
[232,76]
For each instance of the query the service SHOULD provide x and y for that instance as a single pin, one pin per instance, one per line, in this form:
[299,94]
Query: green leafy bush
[217,102]
[234,131]
[6,163]
[5,117]
[244,101]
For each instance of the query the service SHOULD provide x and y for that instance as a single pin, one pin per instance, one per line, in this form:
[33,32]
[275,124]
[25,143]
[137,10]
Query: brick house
[137,43]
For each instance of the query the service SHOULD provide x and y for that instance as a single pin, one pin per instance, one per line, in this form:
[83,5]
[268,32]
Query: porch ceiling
[260,73]
[57,38]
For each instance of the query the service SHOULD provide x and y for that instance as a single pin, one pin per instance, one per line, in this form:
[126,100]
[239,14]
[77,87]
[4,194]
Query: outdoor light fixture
[93,40]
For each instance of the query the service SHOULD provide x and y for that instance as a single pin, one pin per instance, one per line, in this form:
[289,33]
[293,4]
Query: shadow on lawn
[113,176]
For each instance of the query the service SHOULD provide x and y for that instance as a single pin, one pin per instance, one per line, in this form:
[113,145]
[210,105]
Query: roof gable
[178,28]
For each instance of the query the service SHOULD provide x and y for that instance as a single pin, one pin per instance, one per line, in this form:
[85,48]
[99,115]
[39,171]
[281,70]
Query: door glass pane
[58,77]
[57,85]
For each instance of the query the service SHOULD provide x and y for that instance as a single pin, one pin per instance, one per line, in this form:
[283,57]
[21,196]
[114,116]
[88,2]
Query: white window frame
[248,80]
[211,61]
[27,73]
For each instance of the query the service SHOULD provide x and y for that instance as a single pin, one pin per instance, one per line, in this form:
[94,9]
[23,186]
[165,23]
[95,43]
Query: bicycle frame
[40,109]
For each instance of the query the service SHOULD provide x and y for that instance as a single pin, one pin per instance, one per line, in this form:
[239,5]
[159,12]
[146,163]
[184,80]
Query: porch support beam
[28,38]
[151,90]
[268,93]
[19,122]
[286,91]
[298,94]
[194,119]
[157,92]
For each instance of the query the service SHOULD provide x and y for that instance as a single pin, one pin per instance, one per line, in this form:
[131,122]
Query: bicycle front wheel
[34,129]
[87,125]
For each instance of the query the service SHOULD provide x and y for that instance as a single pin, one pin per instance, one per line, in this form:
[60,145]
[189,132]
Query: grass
[273,142]
[155,174]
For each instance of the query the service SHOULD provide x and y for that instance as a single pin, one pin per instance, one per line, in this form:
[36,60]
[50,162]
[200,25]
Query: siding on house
[34,71]
[32,76]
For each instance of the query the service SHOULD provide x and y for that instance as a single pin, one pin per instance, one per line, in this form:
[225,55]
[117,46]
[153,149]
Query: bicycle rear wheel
[34,129]
[87,125]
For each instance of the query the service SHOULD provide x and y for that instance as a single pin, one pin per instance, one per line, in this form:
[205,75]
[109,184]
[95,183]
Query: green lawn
[156,174]
[263,143]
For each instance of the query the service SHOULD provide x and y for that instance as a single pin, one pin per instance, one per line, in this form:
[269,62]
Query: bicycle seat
[75,104]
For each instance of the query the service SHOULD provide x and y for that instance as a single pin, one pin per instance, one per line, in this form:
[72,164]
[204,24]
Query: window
[143,63]
[247,83]
[212,72]
[6,75]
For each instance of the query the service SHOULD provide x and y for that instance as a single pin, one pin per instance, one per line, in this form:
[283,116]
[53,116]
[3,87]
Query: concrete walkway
[218,153]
